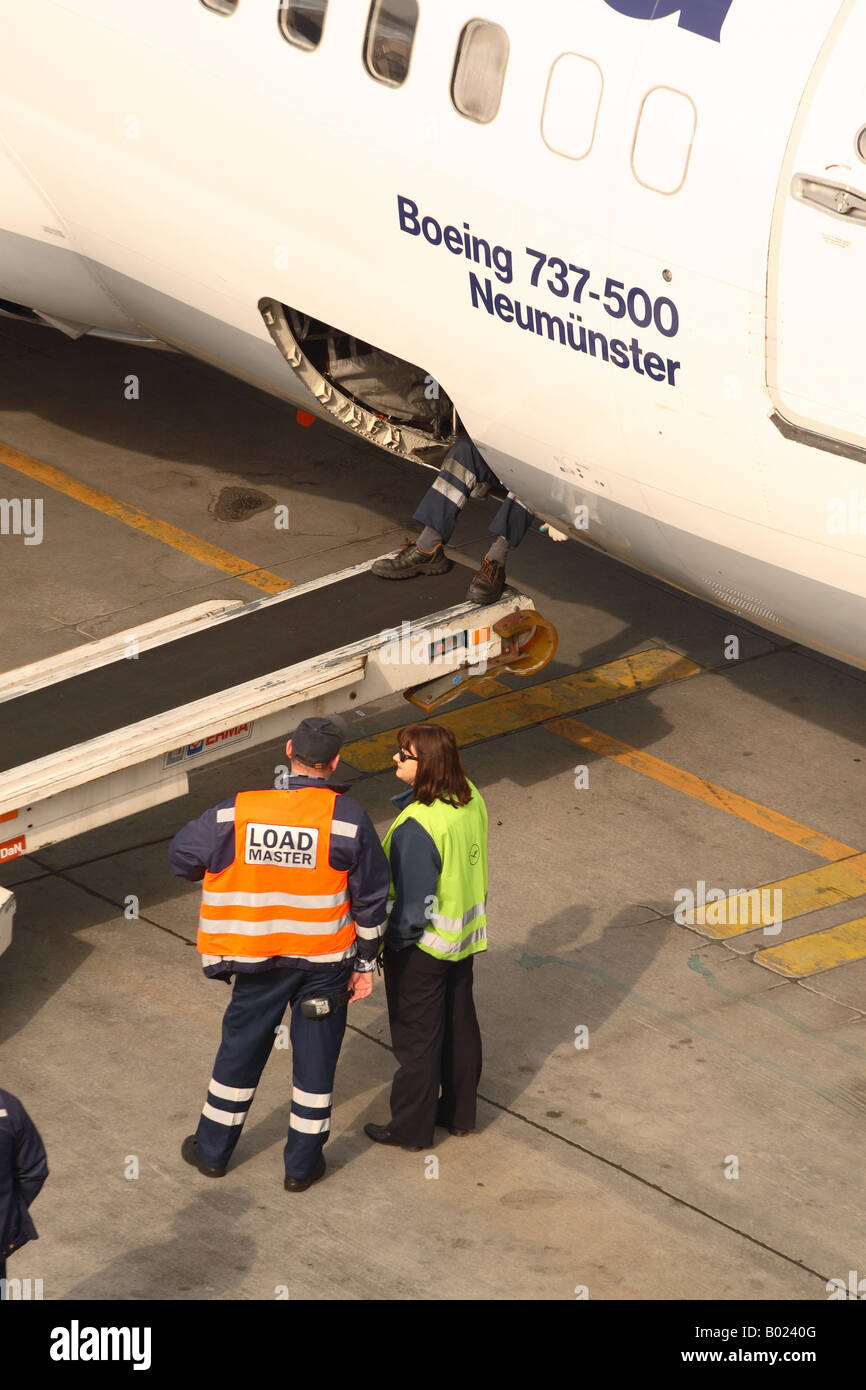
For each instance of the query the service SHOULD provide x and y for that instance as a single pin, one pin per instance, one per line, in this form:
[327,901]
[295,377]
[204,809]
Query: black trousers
[437,1043]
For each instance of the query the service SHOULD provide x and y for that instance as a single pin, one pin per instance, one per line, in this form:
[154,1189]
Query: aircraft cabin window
[663,140]
[479,70]
[388,44]
[302,22]
[571,105]
[221,6]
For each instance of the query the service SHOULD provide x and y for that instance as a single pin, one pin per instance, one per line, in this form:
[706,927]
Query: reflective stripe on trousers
[251,1031]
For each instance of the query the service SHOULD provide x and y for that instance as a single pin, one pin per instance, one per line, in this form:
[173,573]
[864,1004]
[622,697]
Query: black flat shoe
[189,1151]
[446,1124]
[381,1134]
[301,1184]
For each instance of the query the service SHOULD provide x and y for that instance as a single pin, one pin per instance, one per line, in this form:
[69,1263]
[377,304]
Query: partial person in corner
[437,849]
[23,1170]
[462,471]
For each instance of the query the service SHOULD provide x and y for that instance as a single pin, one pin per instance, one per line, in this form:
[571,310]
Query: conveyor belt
[100,701]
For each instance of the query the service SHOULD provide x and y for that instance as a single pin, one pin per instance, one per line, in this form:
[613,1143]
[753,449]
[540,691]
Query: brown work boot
[411,561]
[487,583]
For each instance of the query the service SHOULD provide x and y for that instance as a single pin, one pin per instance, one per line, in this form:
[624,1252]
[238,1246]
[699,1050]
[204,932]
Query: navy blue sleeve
[356,847]
[31,1165]
[415,868]
[204,844]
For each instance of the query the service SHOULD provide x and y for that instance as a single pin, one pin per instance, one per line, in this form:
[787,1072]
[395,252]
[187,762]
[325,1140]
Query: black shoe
[381,1134]
[458,1133]
[189,1151]
[487,583]
[411,561]
[301,1184]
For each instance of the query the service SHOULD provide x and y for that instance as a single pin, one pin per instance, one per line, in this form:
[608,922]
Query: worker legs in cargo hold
[463,468]
[250,1030]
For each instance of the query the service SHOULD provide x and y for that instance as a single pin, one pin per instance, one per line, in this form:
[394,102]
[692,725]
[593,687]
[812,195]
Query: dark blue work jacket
[23,1170]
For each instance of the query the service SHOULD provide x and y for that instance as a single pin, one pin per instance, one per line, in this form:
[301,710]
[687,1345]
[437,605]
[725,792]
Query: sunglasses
[406,757]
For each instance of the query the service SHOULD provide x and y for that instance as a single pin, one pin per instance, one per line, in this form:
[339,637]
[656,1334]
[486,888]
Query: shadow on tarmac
[207,1257]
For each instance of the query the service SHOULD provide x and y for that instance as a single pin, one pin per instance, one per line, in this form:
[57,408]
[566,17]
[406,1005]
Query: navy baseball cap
[318,739]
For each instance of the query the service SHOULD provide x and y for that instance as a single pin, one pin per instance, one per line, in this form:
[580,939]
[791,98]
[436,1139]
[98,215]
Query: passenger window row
[479,65]
[666,122]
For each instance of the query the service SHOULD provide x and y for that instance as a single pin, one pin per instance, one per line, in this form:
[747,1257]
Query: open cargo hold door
[389,401]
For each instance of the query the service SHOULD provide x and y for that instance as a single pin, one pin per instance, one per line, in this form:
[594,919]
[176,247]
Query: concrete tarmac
[663,1116]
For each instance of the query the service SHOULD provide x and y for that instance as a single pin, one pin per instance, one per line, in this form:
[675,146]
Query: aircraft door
[816,302]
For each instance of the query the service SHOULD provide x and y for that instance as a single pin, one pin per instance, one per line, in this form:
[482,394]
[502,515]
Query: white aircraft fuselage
[639,283]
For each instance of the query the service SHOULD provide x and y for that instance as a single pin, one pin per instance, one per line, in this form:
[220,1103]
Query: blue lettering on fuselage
[704,17]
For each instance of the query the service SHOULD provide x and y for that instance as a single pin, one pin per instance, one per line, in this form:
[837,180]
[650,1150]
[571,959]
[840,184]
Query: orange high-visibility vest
[279,896]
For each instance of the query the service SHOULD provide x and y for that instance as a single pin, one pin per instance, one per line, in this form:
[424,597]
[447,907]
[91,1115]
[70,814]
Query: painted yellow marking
[760,907]
[519,708]
[712,795]
[489,687]
[821,950]
[133,516]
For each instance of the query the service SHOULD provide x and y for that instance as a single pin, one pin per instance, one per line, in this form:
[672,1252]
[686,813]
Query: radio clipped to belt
[320,1005]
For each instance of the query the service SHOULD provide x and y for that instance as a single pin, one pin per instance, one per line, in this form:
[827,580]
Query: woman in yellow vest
[437,848]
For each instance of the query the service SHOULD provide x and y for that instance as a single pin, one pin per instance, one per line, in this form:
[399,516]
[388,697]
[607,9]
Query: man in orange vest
[295,885]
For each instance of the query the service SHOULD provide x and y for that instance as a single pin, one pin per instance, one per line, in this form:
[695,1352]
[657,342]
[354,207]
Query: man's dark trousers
[442,503]
[259,1000]
[437,1041]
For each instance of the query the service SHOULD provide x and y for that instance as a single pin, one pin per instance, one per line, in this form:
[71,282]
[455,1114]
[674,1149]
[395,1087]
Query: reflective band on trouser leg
[219,1127]
[227,1105]
[316,1046]
[439,510]
[251,1019]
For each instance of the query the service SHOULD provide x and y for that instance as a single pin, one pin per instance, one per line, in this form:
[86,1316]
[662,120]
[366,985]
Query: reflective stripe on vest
[458,927]
[279,896]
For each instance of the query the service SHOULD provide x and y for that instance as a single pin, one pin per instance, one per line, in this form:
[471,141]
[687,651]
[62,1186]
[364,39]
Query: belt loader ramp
[115,726]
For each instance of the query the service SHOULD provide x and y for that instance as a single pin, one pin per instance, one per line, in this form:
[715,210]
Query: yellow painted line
[152,526]
[783,900]
[822,950]
[488,686]
[712,795]
[519,708]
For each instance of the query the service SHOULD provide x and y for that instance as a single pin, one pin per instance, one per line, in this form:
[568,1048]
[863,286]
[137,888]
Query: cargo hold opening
[393,403]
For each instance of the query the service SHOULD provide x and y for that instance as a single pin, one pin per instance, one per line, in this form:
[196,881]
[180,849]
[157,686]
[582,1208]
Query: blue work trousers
[250,1030]
[462,468]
